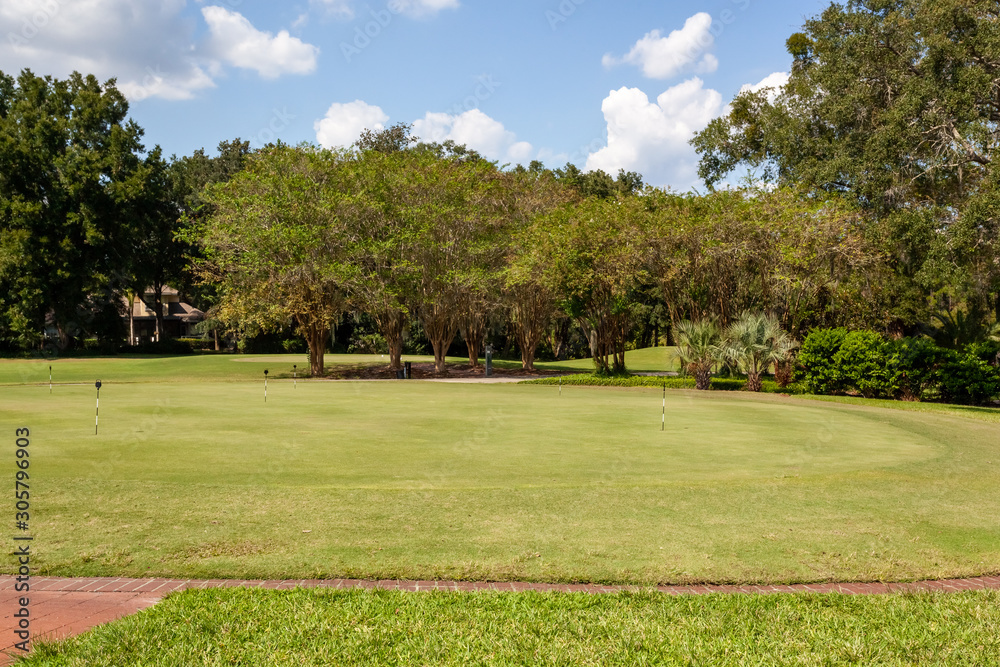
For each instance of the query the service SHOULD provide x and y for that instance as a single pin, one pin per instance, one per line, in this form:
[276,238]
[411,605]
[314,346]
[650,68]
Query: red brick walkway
[61,607]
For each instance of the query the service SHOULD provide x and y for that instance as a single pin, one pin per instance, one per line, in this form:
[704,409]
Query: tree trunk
[783,373]
[530,314]
[440,328]
[158,309]
[316,338]
[754,382]
[391,324]
[474,334]
[702,378]
[131,319]
[215,334]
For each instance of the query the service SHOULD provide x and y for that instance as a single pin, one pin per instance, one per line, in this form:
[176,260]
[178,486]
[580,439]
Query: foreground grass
[254,627]
[506,482]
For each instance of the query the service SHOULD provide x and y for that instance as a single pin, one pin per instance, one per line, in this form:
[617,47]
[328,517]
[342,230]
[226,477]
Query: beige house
[179,318]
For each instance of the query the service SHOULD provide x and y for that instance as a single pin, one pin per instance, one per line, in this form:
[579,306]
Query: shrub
[698,348]
[920,367]
[968,379]
[819,373]
[869,364]
[371,343]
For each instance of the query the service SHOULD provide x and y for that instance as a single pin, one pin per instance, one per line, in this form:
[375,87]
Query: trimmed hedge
[834,361]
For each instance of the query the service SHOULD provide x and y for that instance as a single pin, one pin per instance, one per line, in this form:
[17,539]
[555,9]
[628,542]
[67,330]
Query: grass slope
[434,481]
[253,627]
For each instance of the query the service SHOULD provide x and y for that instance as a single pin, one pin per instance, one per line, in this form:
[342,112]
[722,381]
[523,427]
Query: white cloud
[344,123]
[147,46]
[236,41]
[774,81]
[419,8]
[477,131]
[652,138]
[684,50]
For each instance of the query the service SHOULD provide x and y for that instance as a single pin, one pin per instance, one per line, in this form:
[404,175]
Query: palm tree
[753,343]
[699,349]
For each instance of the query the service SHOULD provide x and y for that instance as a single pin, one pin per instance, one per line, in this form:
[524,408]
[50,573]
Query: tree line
[874,208]
[403,232]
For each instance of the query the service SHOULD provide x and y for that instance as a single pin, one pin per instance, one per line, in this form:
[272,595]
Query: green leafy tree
[275,247]
[72,174]
[893,104]
[591,255]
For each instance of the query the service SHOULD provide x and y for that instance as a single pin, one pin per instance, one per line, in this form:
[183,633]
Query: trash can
[407,368]
[400,375]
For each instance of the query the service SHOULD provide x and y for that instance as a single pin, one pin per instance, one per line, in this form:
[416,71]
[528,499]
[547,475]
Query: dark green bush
[869,364]
[968,379]
[921,362]
[819,373]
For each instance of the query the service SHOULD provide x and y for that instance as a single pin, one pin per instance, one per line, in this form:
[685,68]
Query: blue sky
[601,84]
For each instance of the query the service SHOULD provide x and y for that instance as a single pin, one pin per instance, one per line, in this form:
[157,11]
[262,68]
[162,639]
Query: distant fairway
[427,480]
[230,367]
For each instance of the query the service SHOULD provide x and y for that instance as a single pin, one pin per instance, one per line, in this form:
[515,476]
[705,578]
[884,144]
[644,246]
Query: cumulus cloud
[147,46]
[343,123]
[652,138]
[684,50]
[477,131]
[774,82]
[236,41]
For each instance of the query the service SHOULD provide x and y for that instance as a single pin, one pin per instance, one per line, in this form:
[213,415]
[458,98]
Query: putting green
[403,436]
[430,480]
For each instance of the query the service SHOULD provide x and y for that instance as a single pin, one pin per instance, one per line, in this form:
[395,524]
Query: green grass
[228,367]
[507,482]
[206,367]
[659,382]
[646,360]
[254,627]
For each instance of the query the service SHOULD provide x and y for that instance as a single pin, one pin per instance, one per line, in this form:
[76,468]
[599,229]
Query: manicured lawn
[230,367]
[253,627]
[647,360]
[129,368]
[436,481]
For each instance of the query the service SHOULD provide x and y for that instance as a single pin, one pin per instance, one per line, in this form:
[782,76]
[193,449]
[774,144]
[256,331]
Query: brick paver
[61,607]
